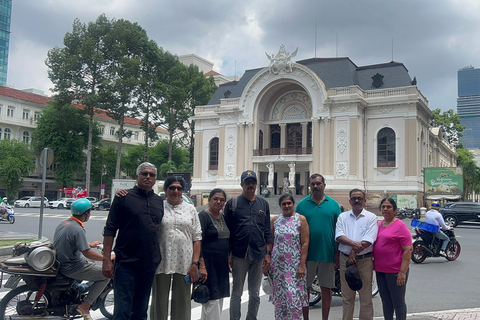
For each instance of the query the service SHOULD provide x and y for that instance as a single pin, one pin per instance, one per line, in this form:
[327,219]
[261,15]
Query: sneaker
[443,253]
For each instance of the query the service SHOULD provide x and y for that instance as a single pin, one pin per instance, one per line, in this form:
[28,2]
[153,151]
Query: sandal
[86,316]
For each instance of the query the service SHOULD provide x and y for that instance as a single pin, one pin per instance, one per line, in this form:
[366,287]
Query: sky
[432,38]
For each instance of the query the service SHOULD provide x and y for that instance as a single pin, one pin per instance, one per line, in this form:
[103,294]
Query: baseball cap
[249,174]
[352,276]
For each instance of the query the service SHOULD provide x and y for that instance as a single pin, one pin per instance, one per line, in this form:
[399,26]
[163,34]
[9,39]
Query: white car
[28,201]
[61,203]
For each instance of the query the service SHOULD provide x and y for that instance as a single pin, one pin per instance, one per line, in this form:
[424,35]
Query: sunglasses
[357,198]
[173,188]
[145,174]
[250,181]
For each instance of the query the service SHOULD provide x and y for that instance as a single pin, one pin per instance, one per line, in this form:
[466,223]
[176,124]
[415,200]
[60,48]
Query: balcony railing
[281,151]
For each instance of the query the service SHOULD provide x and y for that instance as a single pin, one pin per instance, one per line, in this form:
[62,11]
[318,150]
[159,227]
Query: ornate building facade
[360,127]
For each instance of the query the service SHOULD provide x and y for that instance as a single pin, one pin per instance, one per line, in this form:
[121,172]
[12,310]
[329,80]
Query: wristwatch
[269,252]
[196,263]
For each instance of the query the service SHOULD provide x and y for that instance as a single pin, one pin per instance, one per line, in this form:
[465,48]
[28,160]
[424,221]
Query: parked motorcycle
[316,294]
[403,213]
[43,291]
[427,245]
[7,214]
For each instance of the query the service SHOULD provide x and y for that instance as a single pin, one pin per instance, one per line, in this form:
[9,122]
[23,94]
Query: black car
[102,204]
[457,212]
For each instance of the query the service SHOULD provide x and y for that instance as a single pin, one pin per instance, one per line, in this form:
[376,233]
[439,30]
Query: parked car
[61,203]
[92,199]
[29,201]
[102,204]
[457,212]
[68,205]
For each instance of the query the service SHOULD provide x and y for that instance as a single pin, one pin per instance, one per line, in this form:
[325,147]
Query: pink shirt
[387,250]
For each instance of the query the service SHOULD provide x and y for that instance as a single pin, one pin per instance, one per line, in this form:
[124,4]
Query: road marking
[55,215]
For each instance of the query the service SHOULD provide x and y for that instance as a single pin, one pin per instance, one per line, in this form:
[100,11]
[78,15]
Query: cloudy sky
[433,38]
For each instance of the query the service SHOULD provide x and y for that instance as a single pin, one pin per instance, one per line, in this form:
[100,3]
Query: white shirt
[361,228]
[180,227]
[434,217]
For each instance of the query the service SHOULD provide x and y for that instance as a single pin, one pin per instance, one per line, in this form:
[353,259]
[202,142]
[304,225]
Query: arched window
[386,148]
[7,134]
[213,164]
[26,136]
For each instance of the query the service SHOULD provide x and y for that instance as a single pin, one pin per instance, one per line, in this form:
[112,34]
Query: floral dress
[289,293]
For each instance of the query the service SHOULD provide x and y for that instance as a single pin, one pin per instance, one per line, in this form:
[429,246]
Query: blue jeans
[132,292]
[442,236]
[239,272]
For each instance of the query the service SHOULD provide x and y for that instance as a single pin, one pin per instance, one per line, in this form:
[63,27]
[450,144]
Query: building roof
[335,73]
[43,100]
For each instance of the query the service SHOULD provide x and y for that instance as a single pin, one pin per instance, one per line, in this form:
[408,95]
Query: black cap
[248,174]
[200,293]
[352,276]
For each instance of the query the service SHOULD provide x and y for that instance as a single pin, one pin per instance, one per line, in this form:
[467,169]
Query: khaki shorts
[325,272]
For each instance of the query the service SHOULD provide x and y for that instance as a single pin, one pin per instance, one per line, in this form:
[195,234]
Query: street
[434,285]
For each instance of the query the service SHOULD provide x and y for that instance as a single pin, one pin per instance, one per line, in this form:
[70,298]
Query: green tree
[154,65]
[125,45]
[449,121]
[65,129]
[78,68]
[16,162]
[199,90]
[104,160]
[471,172]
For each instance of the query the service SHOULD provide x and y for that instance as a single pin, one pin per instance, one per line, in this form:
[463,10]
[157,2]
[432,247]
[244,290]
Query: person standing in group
[180,245]
[434,217]
[214,258]
[391,260]
[136,217]
[321,213]
[248,219]
[289,258]
[356,231]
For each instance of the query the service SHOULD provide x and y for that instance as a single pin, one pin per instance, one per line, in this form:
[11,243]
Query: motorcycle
[316,294]
[44,292]
[427,245]
[403,213]
[7,214]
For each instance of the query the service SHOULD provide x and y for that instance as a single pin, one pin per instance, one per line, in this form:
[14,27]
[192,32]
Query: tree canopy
[64,128]
[449,121]
[16,163]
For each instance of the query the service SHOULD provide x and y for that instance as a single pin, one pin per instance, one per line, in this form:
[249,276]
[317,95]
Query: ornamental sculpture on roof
[281,62]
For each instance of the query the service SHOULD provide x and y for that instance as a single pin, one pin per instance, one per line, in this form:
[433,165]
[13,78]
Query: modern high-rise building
[5,17]
[468,106]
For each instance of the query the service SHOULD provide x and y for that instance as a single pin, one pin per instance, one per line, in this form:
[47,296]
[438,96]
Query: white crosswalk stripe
[56,216]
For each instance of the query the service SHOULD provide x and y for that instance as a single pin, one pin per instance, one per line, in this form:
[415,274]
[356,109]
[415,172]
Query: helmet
[81,205]
[5,199]
[435,205]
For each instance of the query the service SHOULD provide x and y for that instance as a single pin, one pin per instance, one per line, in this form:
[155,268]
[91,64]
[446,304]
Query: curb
[8,250]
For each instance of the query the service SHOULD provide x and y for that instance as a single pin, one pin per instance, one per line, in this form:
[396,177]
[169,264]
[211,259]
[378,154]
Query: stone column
[283,135]
[271,171]
[304,134]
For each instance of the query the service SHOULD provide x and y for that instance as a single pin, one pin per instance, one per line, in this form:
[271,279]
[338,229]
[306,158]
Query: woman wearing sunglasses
[180,228]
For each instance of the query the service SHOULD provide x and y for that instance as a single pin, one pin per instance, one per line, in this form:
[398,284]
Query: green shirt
[321,219]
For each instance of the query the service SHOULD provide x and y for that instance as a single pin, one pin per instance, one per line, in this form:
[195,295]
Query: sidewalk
[460,314]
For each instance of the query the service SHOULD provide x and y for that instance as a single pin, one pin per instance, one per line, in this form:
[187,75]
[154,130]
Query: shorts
[325,272]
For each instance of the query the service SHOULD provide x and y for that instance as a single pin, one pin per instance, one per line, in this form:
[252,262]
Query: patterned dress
[289,293]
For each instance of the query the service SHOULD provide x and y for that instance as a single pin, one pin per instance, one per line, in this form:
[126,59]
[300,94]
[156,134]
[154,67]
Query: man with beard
[321,213]
[248,219]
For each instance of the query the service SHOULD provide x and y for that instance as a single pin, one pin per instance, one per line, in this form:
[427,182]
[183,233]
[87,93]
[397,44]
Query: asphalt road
[434,285]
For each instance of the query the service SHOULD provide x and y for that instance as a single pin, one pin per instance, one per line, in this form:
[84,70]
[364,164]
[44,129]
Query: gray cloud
[432,38]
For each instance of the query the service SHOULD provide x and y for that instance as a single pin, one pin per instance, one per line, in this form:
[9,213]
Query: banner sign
[443,181]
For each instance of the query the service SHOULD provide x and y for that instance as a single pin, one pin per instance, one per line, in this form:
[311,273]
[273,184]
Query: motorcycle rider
[434,217]
[70,242]
[3,207]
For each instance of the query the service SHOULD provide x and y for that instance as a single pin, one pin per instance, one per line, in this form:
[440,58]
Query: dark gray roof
[334,72]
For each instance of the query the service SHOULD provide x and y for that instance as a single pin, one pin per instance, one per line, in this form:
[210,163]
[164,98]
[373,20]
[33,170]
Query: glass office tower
[5,15]
[468,106]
